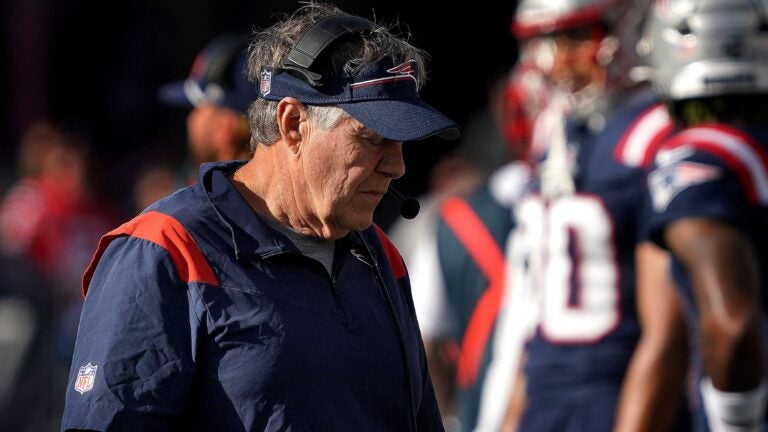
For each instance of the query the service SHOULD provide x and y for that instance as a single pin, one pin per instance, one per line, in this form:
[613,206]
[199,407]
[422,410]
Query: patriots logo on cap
[405,68]
[86,376]
[265,83]
[403,71]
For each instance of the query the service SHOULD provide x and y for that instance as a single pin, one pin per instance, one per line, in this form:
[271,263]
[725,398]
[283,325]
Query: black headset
[317,40]
[303,58]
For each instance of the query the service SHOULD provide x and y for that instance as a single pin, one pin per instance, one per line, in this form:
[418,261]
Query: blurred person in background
[570,293]
[457,267]
[30,375]
[49,224]
[217,93]
[709,193]
[50,216]
[51,194]
[481,150]
[452,175]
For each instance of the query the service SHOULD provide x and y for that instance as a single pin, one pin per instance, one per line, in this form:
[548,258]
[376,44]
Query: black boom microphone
[409,207]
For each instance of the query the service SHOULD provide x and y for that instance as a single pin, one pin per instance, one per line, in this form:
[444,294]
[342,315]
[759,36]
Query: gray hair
[269,47]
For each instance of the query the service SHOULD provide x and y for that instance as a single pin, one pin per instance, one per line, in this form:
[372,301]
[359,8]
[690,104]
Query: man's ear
[290,113]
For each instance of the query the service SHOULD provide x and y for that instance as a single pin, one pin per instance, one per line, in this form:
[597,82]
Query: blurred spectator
[30,396]
[49,225]
[49,216]
[217,94]
[451,175]
[152,184]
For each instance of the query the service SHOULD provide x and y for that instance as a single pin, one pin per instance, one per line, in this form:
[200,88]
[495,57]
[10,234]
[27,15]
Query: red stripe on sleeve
[652,143]
[734,163]
[167,233]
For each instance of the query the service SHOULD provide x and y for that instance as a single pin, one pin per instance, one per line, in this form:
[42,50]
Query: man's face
[201,130]
[575,63]
[345,172]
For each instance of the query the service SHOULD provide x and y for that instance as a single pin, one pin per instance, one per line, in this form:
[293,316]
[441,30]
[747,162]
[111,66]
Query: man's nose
[391,163]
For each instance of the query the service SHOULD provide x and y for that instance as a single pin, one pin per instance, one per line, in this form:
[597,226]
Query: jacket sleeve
[134,354]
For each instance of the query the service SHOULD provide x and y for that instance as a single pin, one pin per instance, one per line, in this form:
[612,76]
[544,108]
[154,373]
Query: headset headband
[317,39]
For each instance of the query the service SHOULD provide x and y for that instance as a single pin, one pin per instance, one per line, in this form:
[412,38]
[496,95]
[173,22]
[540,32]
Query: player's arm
[654,381]
[725,276]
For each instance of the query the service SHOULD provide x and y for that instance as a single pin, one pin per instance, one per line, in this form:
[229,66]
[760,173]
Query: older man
[263,298]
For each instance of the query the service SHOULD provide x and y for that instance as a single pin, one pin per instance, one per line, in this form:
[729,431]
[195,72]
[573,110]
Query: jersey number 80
[563,249]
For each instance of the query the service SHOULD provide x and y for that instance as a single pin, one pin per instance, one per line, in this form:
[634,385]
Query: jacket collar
[251,236]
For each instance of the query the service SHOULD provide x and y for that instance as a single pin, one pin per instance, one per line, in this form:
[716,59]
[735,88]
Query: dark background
[96,65]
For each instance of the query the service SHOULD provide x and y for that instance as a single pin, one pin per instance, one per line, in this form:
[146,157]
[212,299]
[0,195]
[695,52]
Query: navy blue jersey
[581,255]
[199,316]
[714,172]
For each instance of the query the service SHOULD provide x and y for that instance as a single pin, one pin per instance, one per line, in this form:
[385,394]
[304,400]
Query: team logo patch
[668,181]
[265,83]
[86,376]
[670,156]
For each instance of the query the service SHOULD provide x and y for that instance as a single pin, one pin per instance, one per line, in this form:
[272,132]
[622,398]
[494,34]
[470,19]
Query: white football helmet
[700,48]
[622,21]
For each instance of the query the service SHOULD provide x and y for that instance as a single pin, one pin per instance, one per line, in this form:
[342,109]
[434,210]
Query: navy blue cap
[217,78]
[382,96]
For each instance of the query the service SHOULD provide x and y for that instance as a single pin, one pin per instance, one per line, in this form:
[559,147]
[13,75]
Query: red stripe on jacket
[393,256]
[167,233]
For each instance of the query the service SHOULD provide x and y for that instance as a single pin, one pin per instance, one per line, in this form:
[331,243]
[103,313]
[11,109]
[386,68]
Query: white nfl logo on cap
[266,82]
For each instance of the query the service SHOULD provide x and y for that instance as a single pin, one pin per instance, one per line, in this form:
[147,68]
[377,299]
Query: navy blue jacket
[199,316]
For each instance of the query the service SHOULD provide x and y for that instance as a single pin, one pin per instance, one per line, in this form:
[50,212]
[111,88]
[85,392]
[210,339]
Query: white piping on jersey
[556,170]
[641,136]
[509,183]
[739,150]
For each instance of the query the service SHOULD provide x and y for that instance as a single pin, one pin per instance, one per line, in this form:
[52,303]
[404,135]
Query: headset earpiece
[318,39]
